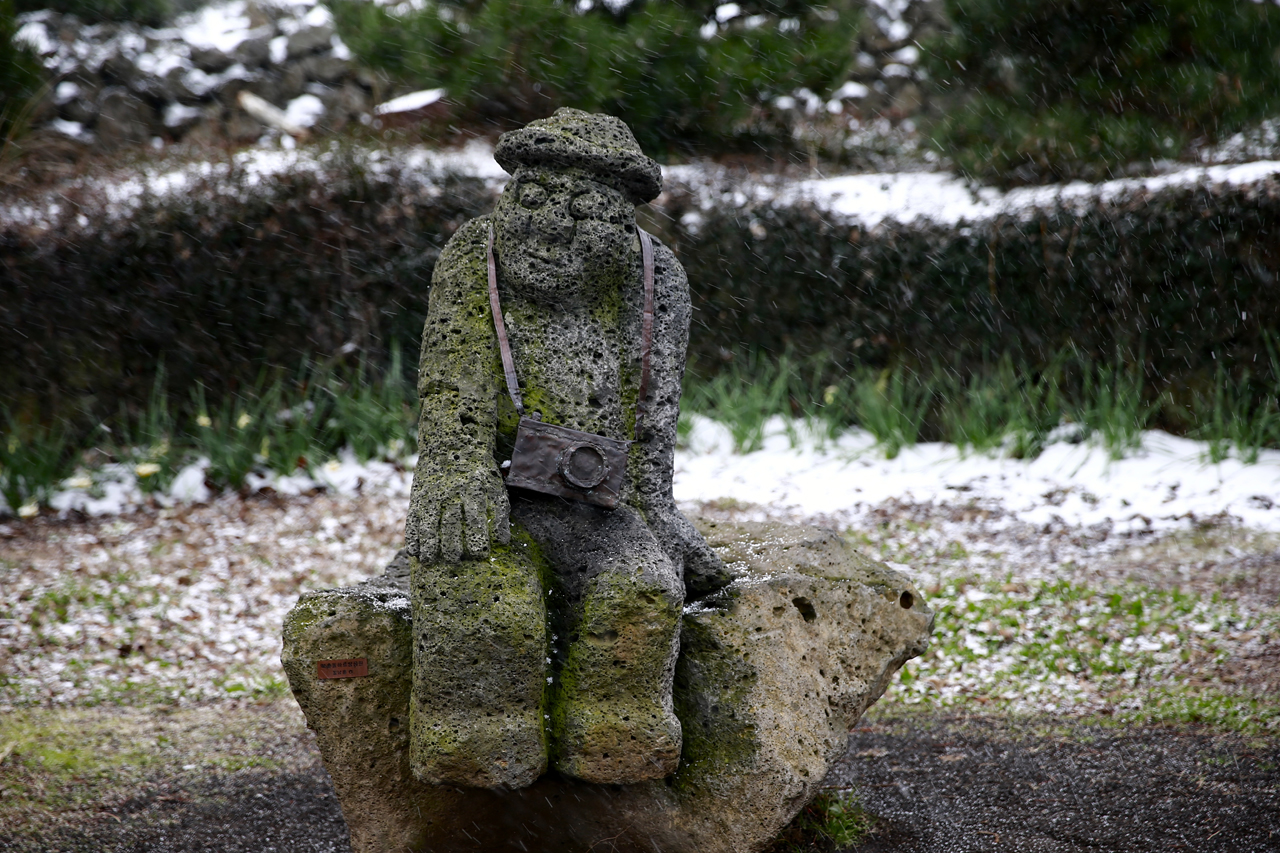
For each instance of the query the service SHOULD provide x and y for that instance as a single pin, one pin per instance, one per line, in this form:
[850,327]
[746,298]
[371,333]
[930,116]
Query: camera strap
[646,328]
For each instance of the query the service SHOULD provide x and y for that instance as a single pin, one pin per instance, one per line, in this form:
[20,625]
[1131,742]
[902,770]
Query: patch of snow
[160,62]
[409,102]
[1164,484]
[319,16]
[221,26]
[279,47]
[947,199]
[851,89]
[66,91]
[74,129]
[727,12]
[304,110]
[36,35]
[176,114]
[908,55]
[189,486]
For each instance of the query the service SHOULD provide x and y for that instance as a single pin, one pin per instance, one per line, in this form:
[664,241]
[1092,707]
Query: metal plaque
[568,463]
[348,668]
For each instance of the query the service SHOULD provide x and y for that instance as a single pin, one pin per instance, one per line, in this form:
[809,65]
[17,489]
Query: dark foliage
[510,61]
[219,286]
[21,78]
[1179,284]
[151,13]
[1049,89]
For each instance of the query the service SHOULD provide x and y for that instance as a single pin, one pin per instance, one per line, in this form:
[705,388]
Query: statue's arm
[673,310]
[459,503]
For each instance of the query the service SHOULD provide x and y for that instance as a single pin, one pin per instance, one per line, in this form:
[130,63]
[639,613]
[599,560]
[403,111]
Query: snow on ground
[1166,483]
[943,198]
[244,171]
[181,597]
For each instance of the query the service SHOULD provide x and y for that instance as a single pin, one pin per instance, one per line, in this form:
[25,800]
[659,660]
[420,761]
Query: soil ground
[933,784]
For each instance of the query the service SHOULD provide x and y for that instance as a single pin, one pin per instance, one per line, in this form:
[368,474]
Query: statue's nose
[554,221]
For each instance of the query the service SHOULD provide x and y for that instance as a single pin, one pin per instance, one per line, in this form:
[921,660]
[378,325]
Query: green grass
[891,405]
[282,422]
[56,761]
[286,422]
[835,820]
[1059,647]
[33,461]
[1232,417]
[1001,407]
[744,398]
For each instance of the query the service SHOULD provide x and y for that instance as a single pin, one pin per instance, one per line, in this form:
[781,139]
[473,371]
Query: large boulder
[773,672]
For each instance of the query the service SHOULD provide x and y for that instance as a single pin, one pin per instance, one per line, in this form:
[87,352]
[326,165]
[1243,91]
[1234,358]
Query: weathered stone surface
[325,68]
[255,51]
[309,38]
[569,273]
[123,118]
[603,145]
[210,59]
[158,67]
[773,671]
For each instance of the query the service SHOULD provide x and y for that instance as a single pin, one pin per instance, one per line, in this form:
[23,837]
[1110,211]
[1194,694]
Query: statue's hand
[704,571]
[452,518]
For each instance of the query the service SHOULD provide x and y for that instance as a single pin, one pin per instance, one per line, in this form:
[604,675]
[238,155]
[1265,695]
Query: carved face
[560,233]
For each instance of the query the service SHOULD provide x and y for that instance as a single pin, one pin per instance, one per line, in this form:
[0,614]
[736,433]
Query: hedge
[219,284]
[1178,281]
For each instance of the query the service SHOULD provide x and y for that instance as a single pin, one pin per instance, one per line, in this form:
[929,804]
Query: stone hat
[601,144]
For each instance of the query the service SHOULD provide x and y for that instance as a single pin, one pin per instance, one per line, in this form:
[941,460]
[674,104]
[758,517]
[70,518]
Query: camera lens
[583,465]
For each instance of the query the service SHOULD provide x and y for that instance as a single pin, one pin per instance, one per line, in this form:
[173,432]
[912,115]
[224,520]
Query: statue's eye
[532,196]
[591,204]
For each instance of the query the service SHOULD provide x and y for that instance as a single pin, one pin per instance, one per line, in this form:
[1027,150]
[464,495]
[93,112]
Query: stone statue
[558,611]
[546,629]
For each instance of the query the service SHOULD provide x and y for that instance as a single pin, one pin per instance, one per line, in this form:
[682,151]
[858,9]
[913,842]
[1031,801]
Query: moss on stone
[711,688]
[480,639]
[607,692]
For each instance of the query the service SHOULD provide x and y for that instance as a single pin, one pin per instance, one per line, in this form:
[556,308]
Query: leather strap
[508,365]
[646,328]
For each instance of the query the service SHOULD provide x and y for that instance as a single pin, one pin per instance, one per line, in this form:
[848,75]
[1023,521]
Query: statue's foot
[619,744]
[473,751]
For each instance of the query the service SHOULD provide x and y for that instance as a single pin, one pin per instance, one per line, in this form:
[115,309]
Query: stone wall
[112,85]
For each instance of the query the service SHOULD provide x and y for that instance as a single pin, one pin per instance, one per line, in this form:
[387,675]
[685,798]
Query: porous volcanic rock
[773,671]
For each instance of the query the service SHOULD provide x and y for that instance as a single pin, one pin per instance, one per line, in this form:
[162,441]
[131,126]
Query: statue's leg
[616,605]
[477,716]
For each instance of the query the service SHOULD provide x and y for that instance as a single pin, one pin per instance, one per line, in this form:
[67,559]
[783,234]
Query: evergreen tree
[1052,89]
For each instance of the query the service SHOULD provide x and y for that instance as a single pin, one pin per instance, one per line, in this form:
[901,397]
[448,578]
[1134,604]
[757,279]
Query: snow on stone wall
[121,84]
